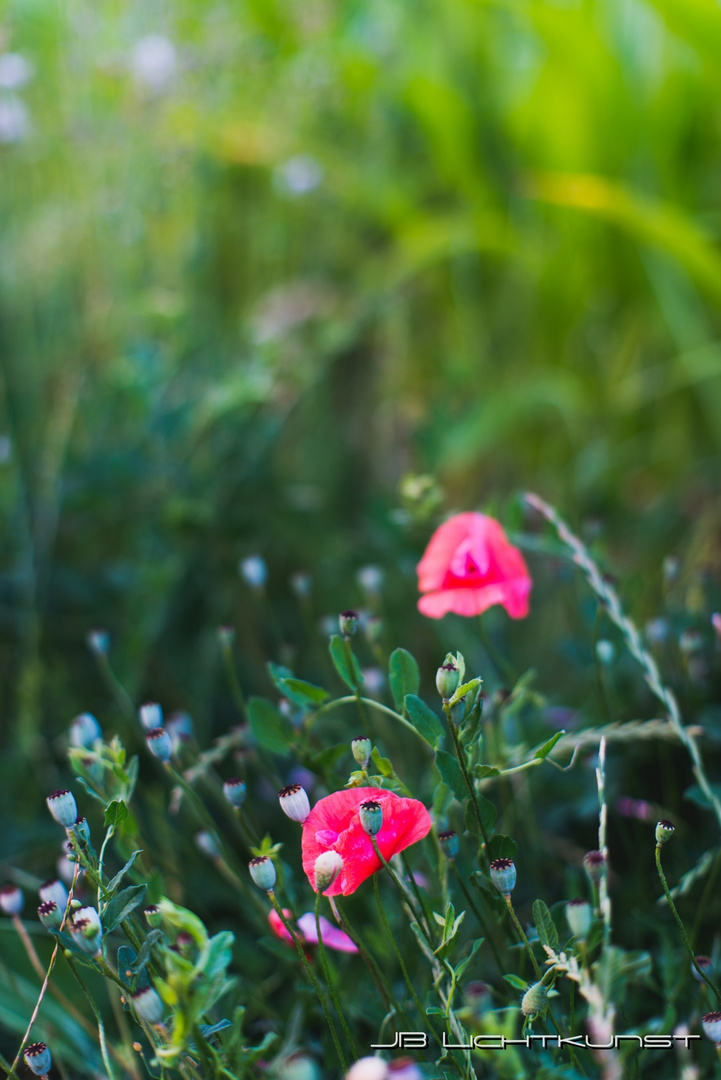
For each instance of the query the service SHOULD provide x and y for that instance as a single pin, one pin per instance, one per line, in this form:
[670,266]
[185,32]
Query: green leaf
[488,812]
[112,886]
[307,692]
[460,970]
[502,847]
[116,812]
[465,689]
[451,774]
[348,669]
[327,758]
[207,1030]
[481,771]
[547,747]
[144,954]
[424,720]
[403,676]
[121,905]
[83,782]
[516,982]
[384,766]
[270,728]
[433,1010]
[545,926]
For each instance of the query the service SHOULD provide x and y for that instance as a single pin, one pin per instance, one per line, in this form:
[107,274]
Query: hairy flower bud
[348,621]
[664,831]
[327,867]
[535,1001]
[371,817]
[263,872]
[361,748]
[503,875]
[294,802]
[63,807]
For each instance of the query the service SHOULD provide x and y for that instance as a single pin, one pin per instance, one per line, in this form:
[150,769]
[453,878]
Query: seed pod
[361,748]
[348,621]
[706,965]
[371,816]
[447,679]
[294,802]
[664,831]
[11,899]
[578,917]
[449,843]
[503,875]
[37,1058]
[712,1026]
[594,863]
[63,807]
[160,744]
[148,1005]
[54,890]
[235,791]
[263,872]
[153,916]
[50,915]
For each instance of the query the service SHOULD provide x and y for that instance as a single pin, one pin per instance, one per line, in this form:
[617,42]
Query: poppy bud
[361,748]
[37,1058]
[348,621]
[84,730]
[263,872]
[578,917]
[79,832]
[50,915]
[63,807]
[86,935]
[153,916]
[535,1000]
[89,916]
[294,802]
[449,844]
[151,715]
[503,875]
[706,965]
[447,678]
[712,1026]
[235,791]
[326,869]
[593,864]
[254,571]
[160,744]
[664,831]
[11,899]
[371,817]
[148,1005]
[54,890]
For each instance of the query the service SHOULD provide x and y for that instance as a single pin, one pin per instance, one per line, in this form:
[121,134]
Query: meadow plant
[377,902]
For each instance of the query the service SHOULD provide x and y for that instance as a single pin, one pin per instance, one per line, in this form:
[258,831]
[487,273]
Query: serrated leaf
[113,884]
[270,728]
[451,774]
[545,926]
[516,982]
[346,666]
[424,720]
[502,847]
[547,747]
[403,676]
[121,905]
[116,812]
[302,692]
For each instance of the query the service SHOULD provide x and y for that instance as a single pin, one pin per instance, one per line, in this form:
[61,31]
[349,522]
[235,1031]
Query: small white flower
[153,62]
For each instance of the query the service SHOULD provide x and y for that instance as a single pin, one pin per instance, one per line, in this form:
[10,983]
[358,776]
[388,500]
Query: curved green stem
[378,705]
[328,979]
[681,927]
[469,784]
[397,951]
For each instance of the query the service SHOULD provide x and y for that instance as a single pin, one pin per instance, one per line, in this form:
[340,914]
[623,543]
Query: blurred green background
[263,260]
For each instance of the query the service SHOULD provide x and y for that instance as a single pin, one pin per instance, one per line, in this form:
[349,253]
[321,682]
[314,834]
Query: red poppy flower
[333,938]
[469,565]
[334,824]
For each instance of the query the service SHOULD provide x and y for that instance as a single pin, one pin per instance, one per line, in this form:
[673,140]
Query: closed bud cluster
[263,872]
[294,802]
[160,744]
[449,844]
[361,748]
[326,869]
[85,730]
[371,817]
[503,875]
[447,678]
[50,915]
[37,1058]
[535,1001]
[63,807]
[348,621]
[148,1005]
[578,917]
[594,863]
[664,831]
[235,791]
[11,899]
[54,890]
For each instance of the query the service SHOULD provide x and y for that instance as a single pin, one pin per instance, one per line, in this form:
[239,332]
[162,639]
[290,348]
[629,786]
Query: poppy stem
[396,950]
[522,935]
[484,925]
[404,893]
[326,972]
[464,769]
[681,927]
[311,975]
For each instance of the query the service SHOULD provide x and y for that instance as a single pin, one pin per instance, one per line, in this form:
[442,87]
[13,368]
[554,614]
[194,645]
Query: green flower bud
[263,872]
[578,917]
[153,916]
[447,678]
[326,869]
[371,817]
[50,915]
[535,1001]
[664,831]
[503,875]
[361,748]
